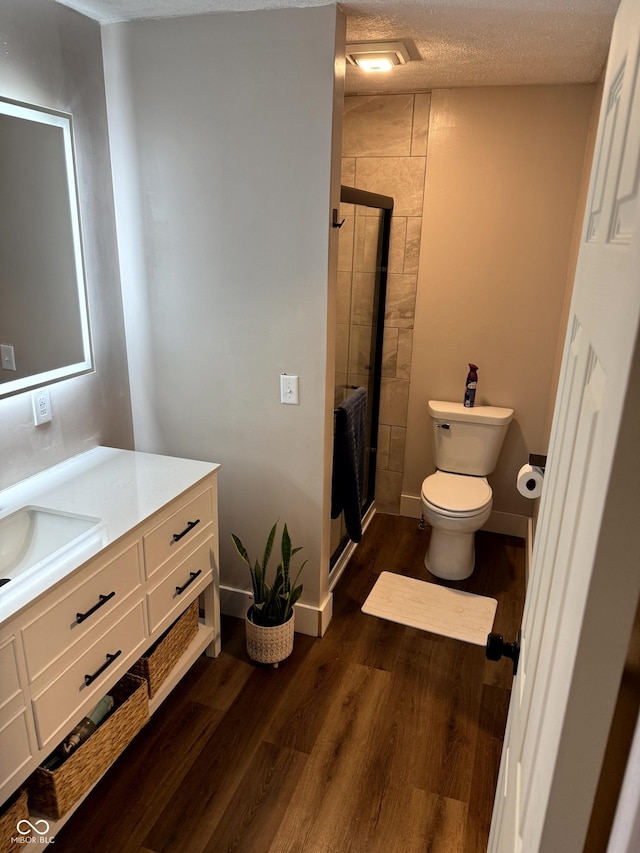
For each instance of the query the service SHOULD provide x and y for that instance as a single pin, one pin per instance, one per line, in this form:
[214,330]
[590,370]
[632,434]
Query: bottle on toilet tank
[471,385]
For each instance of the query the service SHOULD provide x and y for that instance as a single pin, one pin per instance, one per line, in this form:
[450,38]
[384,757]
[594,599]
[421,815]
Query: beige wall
[504,170]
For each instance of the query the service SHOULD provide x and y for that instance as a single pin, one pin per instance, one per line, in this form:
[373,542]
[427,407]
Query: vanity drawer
[165,601]
[56,707]
[178,531]
[91,597]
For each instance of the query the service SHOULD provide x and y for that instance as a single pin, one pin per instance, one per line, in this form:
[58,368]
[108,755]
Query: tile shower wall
[384,151]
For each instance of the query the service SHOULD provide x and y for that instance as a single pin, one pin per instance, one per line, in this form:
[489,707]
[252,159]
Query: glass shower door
[362,268]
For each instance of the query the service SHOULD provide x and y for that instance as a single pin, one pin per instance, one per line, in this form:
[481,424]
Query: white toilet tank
[468,441]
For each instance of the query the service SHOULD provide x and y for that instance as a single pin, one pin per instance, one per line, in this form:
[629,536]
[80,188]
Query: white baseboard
[507,523]
[410,506]
[235,602]
[310,620]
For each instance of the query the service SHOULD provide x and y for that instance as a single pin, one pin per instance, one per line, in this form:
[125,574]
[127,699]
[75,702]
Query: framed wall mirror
[44,320]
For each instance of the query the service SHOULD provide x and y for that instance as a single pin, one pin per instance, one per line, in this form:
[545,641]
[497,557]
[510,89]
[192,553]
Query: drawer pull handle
[89,679]
[102,599]
[190,525]
[193,576]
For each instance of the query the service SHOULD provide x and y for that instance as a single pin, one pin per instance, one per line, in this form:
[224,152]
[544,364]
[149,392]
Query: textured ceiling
[451,42]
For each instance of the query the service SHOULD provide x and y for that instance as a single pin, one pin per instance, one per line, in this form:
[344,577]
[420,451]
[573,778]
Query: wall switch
[7,357]
[288,389]
[41,406]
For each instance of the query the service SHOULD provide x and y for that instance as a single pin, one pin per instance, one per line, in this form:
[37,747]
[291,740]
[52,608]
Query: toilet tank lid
[495,415]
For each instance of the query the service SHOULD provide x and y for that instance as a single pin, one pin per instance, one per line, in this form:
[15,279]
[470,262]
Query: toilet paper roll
[529,481]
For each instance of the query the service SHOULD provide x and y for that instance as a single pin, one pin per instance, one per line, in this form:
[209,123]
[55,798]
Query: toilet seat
[456,495]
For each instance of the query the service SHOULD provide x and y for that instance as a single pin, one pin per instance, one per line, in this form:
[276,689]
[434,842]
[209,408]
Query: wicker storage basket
[53,792]
[269,645]
[160,659]
[9,819]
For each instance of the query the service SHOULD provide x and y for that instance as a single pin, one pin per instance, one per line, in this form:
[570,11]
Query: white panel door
[585,577]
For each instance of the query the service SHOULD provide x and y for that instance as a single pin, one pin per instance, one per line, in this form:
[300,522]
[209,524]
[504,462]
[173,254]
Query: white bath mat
[437,609]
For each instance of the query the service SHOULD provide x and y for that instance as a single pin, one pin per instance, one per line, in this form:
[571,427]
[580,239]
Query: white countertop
[121,487]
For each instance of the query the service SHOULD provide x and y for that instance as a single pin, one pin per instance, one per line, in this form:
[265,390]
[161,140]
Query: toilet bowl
[457,499]
[456,506]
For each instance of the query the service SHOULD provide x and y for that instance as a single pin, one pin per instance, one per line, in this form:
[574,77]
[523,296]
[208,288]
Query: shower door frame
[352,195]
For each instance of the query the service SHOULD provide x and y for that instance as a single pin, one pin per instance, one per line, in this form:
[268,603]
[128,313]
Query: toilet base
[450,555]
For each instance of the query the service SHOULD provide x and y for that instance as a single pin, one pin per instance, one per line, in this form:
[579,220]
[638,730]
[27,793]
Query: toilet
[457,498]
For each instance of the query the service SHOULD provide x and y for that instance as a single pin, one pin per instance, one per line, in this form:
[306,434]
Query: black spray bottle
[470,387]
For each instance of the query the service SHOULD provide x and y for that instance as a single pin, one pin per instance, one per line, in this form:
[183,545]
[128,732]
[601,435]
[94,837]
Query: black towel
[348,461]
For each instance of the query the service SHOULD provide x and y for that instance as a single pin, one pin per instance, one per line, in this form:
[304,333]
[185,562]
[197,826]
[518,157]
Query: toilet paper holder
[538,460]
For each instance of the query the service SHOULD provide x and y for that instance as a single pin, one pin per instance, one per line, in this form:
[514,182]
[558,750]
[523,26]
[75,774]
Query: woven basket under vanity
[15,812]
[157,663]
[271,644]
[54,792]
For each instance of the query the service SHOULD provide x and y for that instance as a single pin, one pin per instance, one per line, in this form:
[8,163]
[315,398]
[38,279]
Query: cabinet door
[15,749]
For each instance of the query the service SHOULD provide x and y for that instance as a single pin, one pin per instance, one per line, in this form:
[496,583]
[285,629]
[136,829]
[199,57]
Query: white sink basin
[33,536]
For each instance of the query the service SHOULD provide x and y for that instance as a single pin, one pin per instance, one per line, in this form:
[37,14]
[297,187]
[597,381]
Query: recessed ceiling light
[377,56]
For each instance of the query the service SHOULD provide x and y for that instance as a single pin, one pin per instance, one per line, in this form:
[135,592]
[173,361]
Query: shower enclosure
[362,279]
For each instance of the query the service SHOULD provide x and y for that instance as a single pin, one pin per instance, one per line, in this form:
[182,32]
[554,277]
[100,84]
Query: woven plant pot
[271,644]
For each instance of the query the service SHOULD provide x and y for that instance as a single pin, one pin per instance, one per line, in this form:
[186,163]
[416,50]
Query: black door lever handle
[497,649]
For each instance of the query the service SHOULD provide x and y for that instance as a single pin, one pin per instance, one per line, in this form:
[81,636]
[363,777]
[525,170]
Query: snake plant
[272,603]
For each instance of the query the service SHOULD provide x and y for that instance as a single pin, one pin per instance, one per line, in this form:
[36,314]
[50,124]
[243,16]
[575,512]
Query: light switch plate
[7,357]
[288,389]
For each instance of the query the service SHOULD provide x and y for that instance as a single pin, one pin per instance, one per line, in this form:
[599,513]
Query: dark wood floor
[375,738]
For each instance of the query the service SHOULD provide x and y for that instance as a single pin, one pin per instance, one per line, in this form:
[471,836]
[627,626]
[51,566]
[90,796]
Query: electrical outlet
[41,406]
[288,389]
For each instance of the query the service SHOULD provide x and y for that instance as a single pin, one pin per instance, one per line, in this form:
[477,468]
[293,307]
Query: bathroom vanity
[102,554]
